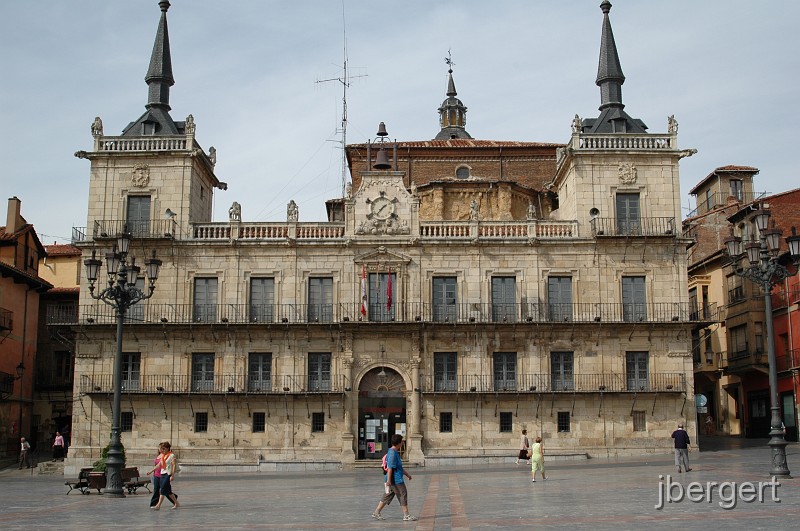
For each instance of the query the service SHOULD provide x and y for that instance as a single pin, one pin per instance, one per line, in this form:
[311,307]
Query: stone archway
[381,411]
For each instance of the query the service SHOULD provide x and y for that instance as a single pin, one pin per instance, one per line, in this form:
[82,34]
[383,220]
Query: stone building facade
[462,290]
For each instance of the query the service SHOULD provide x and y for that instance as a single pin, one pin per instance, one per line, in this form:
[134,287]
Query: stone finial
[672,124]
[577,124]
[212,155]
[190,126]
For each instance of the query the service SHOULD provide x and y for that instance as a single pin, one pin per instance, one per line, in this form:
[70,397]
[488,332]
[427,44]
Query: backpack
[383,464]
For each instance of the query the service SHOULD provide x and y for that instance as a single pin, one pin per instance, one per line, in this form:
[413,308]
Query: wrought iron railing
[215,384]
[404,312]
[788,361]
[657,226]
[6,383]
[717,199]
[548,383]
[145,229]
[53,380]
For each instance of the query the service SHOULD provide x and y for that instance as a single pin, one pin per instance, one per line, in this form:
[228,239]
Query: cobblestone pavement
[595,494]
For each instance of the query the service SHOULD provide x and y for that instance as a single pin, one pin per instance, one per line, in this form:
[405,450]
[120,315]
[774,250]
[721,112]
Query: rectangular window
[63,366]
[634,300]
[563,422]
[203,372]
[382,298]
[735,289]
[205,300]
[445,422]
[319,371]
[505,371]
[636,371]
[709,346]
[506,422]
[320,300]
[738,340]
[444,299]
[696,354]
[628,215]
[262,300]
[758,328]
[639,422]
[126,421]
[445,371]
[559,298]
[504,299]
[259,422]
[138,220]
[561,371]
[694,311]
[737,189]
[259,374]
[317,422]
[131,363]
[200,422]
[710,203]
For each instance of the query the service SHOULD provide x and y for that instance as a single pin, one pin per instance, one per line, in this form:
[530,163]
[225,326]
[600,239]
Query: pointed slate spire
[156,119]
[609,72]
[613,118]
[159,76]
[452,113]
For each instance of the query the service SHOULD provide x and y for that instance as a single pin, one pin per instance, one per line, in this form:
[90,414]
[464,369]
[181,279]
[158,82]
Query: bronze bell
[382,130]
[382,160]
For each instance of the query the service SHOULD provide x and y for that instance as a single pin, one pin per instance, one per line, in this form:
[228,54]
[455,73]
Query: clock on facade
[382,207]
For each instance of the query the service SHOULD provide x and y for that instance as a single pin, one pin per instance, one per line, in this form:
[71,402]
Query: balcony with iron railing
[547,383]
[718,199]
[644,227]
[6,319]
[207,383]
[53,380]
[788,361]
[409,312]
[783,298]
[745,359]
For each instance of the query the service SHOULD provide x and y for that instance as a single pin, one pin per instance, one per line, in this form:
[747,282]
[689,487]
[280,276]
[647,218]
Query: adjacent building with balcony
[20,291]
[730,357]
[461,291]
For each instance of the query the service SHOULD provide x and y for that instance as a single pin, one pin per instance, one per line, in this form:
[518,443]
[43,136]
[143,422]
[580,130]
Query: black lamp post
[762,267]
[20,371]
[120,294]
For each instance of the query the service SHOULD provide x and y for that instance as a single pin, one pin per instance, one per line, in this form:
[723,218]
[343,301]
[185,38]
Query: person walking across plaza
[395,482]
[681,448]
[524,448]
[537,459]
[156,471]
[58,447]
[24,449]
[169,466]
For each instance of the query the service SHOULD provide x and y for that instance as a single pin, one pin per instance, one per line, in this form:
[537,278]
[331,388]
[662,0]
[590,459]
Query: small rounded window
[462,172]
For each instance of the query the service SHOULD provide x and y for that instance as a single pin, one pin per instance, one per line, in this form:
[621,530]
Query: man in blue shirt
[395,486]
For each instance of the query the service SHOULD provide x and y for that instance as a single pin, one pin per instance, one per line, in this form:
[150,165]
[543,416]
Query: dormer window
[463,172]
[148,128]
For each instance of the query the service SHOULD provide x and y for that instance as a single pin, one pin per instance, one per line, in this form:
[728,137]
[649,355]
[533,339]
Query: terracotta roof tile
[62,250]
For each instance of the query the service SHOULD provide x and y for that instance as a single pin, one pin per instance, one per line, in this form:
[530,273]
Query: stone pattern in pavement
[596,494]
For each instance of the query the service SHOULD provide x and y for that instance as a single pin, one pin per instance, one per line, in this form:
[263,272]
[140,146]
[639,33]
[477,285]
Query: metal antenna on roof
[344,79]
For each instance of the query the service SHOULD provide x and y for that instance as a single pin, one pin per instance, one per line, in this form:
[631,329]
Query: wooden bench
[97,480]
[82,483]
[132,481]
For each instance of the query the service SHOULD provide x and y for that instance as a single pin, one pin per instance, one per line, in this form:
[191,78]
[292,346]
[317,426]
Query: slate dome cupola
[452,112]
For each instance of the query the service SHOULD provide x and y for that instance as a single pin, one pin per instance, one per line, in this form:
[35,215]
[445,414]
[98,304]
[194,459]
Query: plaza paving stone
[594,494]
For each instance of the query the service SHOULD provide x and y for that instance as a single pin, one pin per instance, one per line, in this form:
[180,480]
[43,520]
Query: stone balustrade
[154,143]
[623,141]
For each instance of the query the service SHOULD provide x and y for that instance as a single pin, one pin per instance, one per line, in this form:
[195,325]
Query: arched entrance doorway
[381,411]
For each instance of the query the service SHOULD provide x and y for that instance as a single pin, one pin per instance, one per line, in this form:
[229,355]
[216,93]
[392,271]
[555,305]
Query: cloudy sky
[249,71]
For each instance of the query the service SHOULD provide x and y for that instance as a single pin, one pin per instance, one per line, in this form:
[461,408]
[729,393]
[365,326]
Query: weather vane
[449,61]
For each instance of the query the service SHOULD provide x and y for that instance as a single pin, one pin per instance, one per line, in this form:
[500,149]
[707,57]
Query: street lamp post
[762,267]
[20,371]
[120,294]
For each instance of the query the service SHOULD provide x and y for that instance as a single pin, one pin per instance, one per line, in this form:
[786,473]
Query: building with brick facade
[461,291]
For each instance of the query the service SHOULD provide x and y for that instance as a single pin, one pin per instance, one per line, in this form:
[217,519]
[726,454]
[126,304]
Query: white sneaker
[409,518]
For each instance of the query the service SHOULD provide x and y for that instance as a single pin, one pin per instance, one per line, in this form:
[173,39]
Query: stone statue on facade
[531,214]
[672,124]
[212,155]
[189,125]
[97,126]
[577,124]
[473,210]
[414,188]
[627,173]
[348,190]
[235,212]
[292,212]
